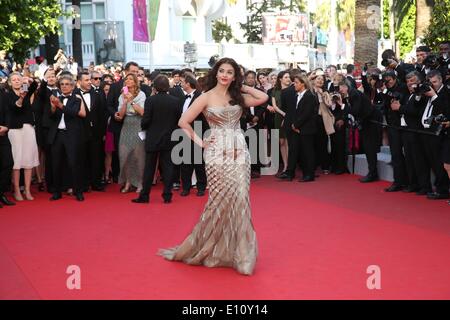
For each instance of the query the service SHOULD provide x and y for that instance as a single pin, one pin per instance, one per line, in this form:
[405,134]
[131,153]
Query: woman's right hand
[117,116]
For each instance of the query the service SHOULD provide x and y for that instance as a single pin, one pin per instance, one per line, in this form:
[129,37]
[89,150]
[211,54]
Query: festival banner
[153,13]
[140,30]
[285,29]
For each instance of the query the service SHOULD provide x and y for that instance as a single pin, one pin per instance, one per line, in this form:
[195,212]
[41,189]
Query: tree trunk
[51,47]
[423,16]
[76,37]
[367,26]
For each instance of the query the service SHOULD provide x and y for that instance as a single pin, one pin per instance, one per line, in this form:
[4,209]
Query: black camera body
[431,61]
[395,95]
[422,88]
[435,122]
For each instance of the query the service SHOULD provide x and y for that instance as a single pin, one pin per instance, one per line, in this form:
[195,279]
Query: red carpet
[316,241]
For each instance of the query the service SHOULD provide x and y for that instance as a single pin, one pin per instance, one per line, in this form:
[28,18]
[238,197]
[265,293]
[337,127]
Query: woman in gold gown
[224,236]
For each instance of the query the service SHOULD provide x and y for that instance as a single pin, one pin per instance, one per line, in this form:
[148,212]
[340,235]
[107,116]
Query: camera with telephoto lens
[431,61]
[422,88]
[335,97]
[438,120]
[395,95]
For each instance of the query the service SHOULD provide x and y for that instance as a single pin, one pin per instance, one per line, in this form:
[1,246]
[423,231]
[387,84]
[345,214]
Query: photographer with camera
[361,115]
[392,63]
[395,92]
[444,62]
[432,119]
[426,61]
[410,120]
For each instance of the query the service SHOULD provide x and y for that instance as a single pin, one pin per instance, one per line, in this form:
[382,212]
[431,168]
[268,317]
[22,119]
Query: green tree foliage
[221,30]
[253,26]
[345,15]
[439,29]
[323,15]
[25,22]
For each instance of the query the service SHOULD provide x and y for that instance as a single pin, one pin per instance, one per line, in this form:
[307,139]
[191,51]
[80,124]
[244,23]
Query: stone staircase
[385,170]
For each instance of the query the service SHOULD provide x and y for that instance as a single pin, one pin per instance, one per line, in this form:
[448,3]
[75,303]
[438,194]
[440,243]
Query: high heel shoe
[125,190]
[28,196]
[18,197]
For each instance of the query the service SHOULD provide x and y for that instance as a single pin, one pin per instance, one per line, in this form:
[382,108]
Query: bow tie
[84,92]
[62,97]
[188,96]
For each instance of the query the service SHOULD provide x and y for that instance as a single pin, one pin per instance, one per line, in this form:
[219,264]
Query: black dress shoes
[79,196]
[394,188]
[437,196]
[185,193]
[56,196]
[307,179]
[410,189]
[369,178]
[200,193]
[285,176]
[167,200]
[141,199]
[5,201]
[423,192]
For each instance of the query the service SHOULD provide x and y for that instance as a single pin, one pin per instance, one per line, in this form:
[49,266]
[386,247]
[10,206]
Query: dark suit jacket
[352,81]
[146,89]
[440,106]
[177,92]
[413,110]
[94,123]
[306,114]
[289,102]
[200,117]
[359,105]
[112,103]
[74,123]
[44,106]
[161,115]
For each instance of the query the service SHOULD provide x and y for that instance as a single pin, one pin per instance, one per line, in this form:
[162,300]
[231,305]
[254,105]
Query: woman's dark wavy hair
[279,77]
[235,87]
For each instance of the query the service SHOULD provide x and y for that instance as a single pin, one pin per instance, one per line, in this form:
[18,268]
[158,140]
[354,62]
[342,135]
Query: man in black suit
[300,124]
[46,90]
[94,131]
[411,113]
[438,103]
[350,77]
[161,115]
[254,117]
[112,106]
[66,136]
[195,163]
[176,89]
[144,88]
[6,159]
[422,53]
[362,113]
[396,91]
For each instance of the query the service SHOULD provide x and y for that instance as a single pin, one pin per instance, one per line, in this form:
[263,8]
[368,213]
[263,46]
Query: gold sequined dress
[224,236]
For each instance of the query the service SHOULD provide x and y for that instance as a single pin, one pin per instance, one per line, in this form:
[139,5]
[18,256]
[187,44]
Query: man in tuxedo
[176,89]
[6,159]
[395,91]
[161,115]
[350,77]
[112,103]
[47,89]
[66,136]
[331,72]
[300,124]
[422,53]
[94,131]
[144,88]
[96,80]
[411,113]
[362,113]
[189,85]
[254,117]
[438,103]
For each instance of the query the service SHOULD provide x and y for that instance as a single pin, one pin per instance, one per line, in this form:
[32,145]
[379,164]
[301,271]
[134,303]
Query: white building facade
[107,34]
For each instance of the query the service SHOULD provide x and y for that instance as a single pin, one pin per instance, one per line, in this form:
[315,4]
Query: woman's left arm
[253,97]
[138,106]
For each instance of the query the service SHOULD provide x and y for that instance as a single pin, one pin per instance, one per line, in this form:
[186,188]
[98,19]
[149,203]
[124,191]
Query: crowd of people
[70,130]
